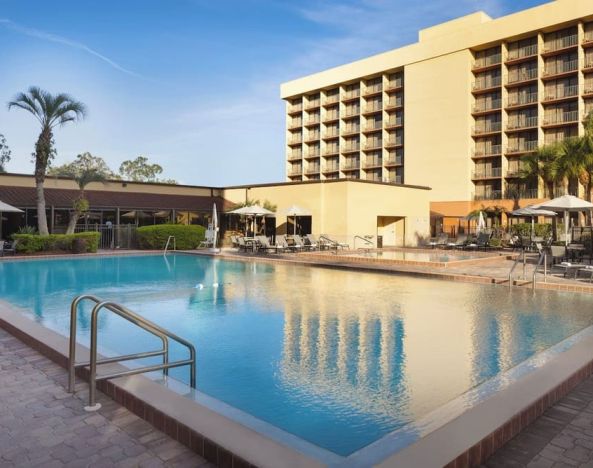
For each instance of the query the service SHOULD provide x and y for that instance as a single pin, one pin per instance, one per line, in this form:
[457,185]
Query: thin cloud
[45,36]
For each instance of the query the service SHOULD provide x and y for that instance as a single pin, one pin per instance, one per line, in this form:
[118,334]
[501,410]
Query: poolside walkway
[43,425]
[561,437]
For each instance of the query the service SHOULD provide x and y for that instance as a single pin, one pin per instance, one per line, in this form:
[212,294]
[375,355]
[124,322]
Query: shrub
[155,237]
[524,229]
[77,243]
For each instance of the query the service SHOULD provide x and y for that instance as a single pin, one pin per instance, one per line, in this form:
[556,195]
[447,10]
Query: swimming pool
[415,256]
[337,358]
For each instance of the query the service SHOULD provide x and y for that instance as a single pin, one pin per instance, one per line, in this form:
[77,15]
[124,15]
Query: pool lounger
[587,269]
[573,267]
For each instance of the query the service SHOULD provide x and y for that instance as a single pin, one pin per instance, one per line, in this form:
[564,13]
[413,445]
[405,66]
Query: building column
[52,219]
[117,213]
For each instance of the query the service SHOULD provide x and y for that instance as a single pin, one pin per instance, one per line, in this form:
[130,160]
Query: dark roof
[62,198]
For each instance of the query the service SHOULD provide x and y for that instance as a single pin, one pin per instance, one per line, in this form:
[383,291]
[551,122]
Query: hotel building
[455,111]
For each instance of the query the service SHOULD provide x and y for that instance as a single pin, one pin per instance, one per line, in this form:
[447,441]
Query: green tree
[4,153]
[572,164]
[542,165]
[140,170]
[51,111]
[85,169]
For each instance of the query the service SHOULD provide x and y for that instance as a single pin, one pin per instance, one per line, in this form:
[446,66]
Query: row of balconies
[524,99]
[393,101]
[509,193]
[528,122]
[512,148]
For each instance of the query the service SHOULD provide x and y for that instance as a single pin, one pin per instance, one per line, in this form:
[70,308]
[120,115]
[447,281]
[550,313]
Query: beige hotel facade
[455,111]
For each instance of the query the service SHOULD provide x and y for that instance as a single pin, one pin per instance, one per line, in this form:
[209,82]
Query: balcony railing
[313,170]
[557,68]
[492,150]
[312,154]
[331,116]
[295,141]
[487,83]
[561,93]
[373,144]
[373,108]
[352,94]
[295,124]
[331,134]
[351,112]
[394,180]
[495,104]
[350,148]
[513,171]
[332,168]
[332,99]
[588,89]
[295,156]
[522,75]
[490,195]
[313,120]
[564,117]
[520,123]
[351,129]
[588,63]
[375,125]
[394,122]
[313,137]
[331,150]
[313,104]
[295,108]
[394,142]
[512,193]
[487,127]
[295,172]
[394,161]
[522,52]
[373,89]
[561,43]
[488,61]
[376,162]
[487,173]
[521,99]
[394,84]
[391,103]
[522,147]
[351,165]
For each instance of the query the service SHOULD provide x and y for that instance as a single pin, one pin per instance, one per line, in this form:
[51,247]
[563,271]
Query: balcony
[560,68]
[396,161]
[588,64]
[312,137]
[295,124]
[313,121]
[487,127]
[350,95]
[485,84]
[373,163]
[394,180]
[351,130]
[489,195]
[522,147]
[331,168]
[331,135]
[373,89]
[519,100]
[395,84]
[295,157]
[373,126]
[312,154]
[487,151]
[371,108]
[559,94]
[392,142]
[489,106]
[313,104]
[394,122]
[295,141]
[570,117]
[560,44]
[512,193]
[487,62]
[522,123]
[295,172]
[350,149]
[352,112]
[487,173]
[588,90]
[522,76]
[394,103]
[522,53]
[351,166]
[373,145]
[295,109]
[331,151]
[513,171]
[332,99]
[588,39]
[313,170]
[331,116]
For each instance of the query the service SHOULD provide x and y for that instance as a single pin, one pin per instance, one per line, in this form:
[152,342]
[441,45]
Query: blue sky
[192,84]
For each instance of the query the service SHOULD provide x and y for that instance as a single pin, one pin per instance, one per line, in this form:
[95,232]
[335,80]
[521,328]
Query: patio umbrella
[162,214]
[530,212]
[136,215]
[481,223]
[296,211]
[252,210]
[6,208]
[214,226]
[566,204]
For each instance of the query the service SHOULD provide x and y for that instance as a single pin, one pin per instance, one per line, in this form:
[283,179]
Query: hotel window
[558,89]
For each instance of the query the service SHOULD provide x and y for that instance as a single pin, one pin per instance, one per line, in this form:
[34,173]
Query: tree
[572,164]
[51,111]
[4,153]
[83,162]
[542,165]
[140,170]
[85,169]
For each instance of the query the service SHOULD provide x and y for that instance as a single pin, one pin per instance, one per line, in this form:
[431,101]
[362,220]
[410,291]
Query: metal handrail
[542,256]
[167,244]
[141,322]
[367,241]
[520,257]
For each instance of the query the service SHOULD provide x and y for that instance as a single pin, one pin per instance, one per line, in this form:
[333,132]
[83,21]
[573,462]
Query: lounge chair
[312,242]
[299,242]
[334,244]
[587,269]
[282,241]
[459,242]
[241,244]
[264,244]
[234,242]
[570,267]
[441,241]
[482,242]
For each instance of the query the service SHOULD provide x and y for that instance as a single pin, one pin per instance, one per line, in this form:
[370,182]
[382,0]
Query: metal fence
[121,236]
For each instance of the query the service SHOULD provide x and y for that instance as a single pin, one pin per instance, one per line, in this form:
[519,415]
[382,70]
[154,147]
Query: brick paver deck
[43,425]
[561,437]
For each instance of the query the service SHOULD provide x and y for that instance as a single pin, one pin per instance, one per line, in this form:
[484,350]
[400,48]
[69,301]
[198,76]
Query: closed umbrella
[214,226]
[566,204]
[6,208]
[296,211]
[481,223]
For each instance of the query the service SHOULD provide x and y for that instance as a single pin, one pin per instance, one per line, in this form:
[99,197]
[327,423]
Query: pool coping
[467,440]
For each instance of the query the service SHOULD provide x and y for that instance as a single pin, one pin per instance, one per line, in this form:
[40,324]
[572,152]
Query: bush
[77,243]
[155,237]
[524,229]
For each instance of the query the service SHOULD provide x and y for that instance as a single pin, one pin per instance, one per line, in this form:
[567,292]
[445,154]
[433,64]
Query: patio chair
[459,243]
[9,247]
[313,243]
[570,267]
[299,242]
[587,269]
[334,244]
[557,254]
[241,245]
[234,242]
[264,244]
[282,241]
[441,241]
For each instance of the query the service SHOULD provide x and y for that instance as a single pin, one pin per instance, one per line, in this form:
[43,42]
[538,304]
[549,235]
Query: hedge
[77,243]
[155,237]
[524,229]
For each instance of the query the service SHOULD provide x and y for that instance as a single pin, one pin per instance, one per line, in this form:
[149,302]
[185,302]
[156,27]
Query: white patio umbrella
[296,211]
[214,227]
[253,210]
[566,204]
[6,208]
[530,212]
[481,223]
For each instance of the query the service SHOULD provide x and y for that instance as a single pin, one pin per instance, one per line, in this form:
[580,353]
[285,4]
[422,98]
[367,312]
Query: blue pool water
[338,358]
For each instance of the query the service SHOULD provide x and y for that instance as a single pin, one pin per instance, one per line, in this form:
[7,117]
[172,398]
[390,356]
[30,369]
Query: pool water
[436,256]
[335,357]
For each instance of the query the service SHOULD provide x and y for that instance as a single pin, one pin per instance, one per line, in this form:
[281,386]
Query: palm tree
[81,204]
[50,110]
[572,164]
[542,165]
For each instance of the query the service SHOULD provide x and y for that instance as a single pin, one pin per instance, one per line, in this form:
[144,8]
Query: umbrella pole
[566,227]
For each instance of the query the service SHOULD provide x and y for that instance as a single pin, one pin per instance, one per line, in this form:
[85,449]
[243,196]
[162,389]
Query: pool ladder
[367,243]
[141,322]
[167,244]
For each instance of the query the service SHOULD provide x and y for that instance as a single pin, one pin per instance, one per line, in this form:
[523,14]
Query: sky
[194,85]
